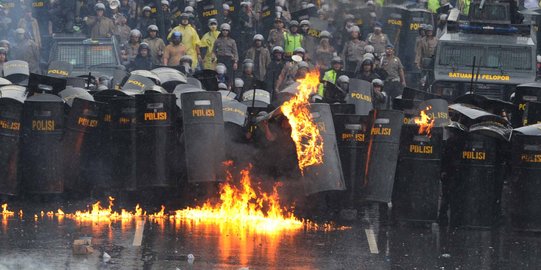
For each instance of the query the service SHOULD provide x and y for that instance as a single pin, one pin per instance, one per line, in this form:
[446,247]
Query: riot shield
[184,88]
[139,83]
[304,14]
[360,94]
[417,183]
[208,79]
[14,92]
[363,20]
[532,114]
[333,93]
[42,126]
[4,82]
[414,18]
[394,17]
[194,82]
[207,9]
[16,71]
[268,14]
[495,106]
[123,137]
[526,183]
[70,93]
[261,100]
[59,69]
[235,112]
[524,93]
[40,83]
[352,137]
[10,128]
[204,135]
[382,157]
[147,74]
[170,77]
[77,82]
[227,95]
[326,176]
[81,135]
[155,114]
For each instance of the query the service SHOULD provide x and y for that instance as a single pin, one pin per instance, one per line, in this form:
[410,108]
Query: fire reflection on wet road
[47,243]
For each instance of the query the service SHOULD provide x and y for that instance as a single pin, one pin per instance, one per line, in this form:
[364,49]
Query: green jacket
[329,76]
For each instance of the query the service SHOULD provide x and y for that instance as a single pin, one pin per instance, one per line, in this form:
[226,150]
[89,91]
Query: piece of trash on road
[82,246]
[106,257]
[191,258]
[446,255]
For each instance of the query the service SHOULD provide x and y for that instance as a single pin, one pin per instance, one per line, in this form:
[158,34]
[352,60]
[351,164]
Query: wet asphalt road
[368,243]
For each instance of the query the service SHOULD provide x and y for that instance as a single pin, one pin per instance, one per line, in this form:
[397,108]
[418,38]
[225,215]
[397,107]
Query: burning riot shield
[81,135]
[524,93]
[155,114]
[326,176]
[417,183]
[526,181]
[414,18]
[16,71]
[123,136]
[41,156]
[352,137]
[532,114]
[360,94]
[207,9]
[479,177]
[382,155]
[394,17]
[203,122]
[59,69]
[10,127]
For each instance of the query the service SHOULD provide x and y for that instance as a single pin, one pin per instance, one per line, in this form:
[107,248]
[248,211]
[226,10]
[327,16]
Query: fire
[244,206]
[99,213]
[304,131]
[5,211]
[425,122]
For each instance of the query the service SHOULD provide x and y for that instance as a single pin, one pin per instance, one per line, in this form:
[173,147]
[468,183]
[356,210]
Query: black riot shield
[268,14]
[184,88]
[382,155]
[393,19]
[235,118]
[364,20]
[352,137]
[524,93]
[417,183]
[414,18]
[81,135]
[260,101]
[526,180]
[139,83]
[207,9]
[208,79]
[16,71]
[119,78]
[304,14]
[10,128]
[59,69]
[360,94]
[203,122]
[41,156]
[235,112]
[155,118]
[71,93]
[123,137]
[532,114]
[194,82]
[326,176]
[170,77]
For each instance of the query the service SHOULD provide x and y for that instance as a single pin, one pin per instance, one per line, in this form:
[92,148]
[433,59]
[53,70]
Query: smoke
[44,261]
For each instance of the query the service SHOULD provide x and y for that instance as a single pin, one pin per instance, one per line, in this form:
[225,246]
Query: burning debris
[304,132]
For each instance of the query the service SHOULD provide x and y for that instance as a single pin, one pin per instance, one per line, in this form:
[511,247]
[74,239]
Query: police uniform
[261,58]
[427,49]
[276,38]
[28,51]
[353,54]
[329,76]
[392,65]
[101,27]
[378,42]
[226,51]
[292,42]
[156,46]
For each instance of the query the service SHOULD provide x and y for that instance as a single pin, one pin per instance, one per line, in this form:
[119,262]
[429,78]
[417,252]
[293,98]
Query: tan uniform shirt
[427,49]
[101,27]
[392,65]
[156,49]
[226,47]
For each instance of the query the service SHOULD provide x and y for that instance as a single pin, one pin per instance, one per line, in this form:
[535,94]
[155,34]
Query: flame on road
[304,132]
[245,206]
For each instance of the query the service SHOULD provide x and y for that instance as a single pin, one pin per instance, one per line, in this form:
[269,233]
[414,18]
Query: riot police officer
[100,26]
[155,43]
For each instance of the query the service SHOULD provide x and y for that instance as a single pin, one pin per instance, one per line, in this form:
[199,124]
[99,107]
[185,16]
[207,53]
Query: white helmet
[135,32]
[258,37]
[225,26]
[221,69]
[239,83]
[377,82]
[188,9]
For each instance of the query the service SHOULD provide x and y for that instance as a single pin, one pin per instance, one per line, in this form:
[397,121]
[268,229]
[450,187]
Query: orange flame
[304,131]
[425,122]
[245,206]
[98,213]
[5,211]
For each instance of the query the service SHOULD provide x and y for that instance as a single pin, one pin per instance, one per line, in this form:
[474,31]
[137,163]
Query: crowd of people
[238,47]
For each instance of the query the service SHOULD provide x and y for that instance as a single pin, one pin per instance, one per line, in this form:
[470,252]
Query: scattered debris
[446,255]
[191,258]
[106,257]
[82,246]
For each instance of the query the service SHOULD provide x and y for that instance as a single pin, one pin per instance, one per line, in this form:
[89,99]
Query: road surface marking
[139,228]
[372,241]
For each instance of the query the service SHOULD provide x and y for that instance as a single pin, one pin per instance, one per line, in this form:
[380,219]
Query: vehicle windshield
[496,57]
[84,55]
[489,13]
